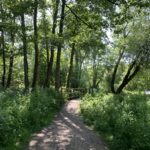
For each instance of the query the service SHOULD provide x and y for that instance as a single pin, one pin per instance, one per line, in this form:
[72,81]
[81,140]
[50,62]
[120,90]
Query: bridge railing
[72,93]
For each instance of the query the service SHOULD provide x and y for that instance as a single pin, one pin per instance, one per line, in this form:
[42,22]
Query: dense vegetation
[23,114]
[124,120]
[73,47]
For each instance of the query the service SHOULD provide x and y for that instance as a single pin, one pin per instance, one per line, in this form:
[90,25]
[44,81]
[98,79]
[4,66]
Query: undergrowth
[22,114]
[124,120]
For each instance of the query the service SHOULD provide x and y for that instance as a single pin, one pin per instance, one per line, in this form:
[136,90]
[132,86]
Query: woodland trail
[67,132]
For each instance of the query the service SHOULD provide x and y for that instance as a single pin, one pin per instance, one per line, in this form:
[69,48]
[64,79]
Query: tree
[11,61]
[61,26]
[36,61]
[3,48]
[26,80]
[51,61]
[71,65]
[135,50]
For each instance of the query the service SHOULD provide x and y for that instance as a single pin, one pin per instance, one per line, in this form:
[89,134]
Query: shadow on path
[67,132]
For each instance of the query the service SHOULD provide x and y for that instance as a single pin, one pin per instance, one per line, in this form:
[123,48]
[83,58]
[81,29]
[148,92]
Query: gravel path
[67,132]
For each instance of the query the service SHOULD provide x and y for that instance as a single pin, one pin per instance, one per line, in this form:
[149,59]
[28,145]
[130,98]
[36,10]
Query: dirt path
[67,132]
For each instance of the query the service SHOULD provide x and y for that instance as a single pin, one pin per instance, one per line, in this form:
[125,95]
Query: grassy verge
[22,114]
[123,120]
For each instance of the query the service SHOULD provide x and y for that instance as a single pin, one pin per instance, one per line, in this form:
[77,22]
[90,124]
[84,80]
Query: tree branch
[79,18]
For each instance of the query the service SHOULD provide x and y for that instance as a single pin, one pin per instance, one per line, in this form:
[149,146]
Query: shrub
[22,114]
[123,119]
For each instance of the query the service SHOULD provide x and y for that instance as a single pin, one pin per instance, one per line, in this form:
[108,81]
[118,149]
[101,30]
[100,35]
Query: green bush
[123,119]
[22,114]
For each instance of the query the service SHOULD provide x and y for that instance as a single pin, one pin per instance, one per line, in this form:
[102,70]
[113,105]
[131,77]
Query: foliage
[74,45]
[22,114]
[123,119]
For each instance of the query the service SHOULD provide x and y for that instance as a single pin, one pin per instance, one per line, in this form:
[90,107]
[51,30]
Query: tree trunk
[71,65]
[127,79]
[47,49]
[94,80]
[134,68]
[57,71]
[11,61]
[3,49]
[4,59]
[77,69]
[94,71]
[115,72]
[36,60]
[46,37]
[25,59]
[50,63]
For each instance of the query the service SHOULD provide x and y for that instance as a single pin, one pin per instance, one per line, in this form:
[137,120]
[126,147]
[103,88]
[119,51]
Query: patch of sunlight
[71,122]
[40,135]
[33,143]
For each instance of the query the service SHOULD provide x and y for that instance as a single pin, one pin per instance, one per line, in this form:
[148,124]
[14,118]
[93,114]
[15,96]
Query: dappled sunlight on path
[67,132]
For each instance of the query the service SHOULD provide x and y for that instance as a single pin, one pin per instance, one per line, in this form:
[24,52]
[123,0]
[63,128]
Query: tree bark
[47,49]
[57,71]
[77,69]
[50,63]
[94,71]
[46,36]
[36,60]
[25,58]
[4,59]
[71,65]
[3,49]
[115,72]
[11,61]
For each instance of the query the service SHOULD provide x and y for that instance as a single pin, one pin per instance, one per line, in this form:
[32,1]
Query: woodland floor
[67,132]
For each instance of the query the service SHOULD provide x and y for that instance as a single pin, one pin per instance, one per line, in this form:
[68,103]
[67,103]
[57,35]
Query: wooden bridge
[74,92]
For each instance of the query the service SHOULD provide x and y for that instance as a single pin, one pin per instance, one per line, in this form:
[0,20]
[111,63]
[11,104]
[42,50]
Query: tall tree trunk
[50,63]
[3,48]
[4,59]
[115,72]
[46,37]
[47,49]
[71,65]
[11,61]
[36,60]
[77,69]
[26,80]
[57,71]
[94,71]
